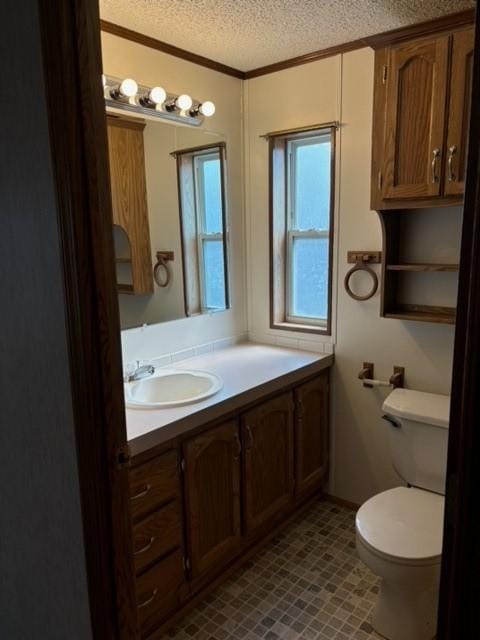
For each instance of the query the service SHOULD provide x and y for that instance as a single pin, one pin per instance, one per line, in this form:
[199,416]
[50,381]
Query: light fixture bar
[153,103]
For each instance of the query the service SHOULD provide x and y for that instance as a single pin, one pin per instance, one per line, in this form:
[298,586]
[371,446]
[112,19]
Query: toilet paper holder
[396,380]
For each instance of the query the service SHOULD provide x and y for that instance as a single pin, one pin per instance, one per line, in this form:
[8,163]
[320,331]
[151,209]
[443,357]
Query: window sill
[302,328]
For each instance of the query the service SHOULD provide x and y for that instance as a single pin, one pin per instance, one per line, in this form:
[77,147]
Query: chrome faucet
[138,372]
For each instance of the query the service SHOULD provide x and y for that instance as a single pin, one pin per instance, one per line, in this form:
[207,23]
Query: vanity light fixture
[155,96]
[126,89]
[206,108]
[153,103]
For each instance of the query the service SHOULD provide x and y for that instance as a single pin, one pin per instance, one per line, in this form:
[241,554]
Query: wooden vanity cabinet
[311,434]
[157,532]
[267,436]
[207,499]
[420,121]
[211,466]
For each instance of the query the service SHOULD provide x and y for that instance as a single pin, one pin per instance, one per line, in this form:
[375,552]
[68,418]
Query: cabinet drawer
[153,483]
[159,591]
[157,534]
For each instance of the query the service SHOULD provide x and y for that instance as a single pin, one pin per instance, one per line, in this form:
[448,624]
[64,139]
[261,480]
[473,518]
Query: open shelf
[415,284]
[422,313]
[125,288]
[423,267]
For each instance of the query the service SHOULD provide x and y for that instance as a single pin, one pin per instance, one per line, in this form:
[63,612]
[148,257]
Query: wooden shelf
[422,313]
[125,288]
[423,267]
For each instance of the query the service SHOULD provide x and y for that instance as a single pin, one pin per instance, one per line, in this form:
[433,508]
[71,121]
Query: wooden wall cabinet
[420,122]
[189,521]
[267,436]
[129,201]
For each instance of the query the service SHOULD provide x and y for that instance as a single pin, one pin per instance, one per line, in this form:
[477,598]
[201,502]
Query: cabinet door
[212,495]
[459,111]
[267,434]
[415,119]
[311,434]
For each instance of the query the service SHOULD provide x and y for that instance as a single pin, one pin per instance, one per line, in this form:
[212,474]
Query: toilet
[399,531]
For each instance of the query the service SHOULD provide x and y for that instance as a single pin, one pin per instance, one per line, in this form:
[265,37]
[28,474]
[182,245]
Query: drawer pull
[146,602]
[145,548]
[141,493]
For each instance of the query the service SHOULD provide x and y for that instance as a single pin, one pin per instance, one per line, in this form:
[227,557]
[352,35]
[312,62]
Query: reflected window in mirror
[201,180]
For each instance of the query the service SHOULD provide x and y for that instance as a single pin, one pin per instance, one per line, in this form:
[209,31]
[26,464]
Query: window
[202,216]
[301,184]
[208,190]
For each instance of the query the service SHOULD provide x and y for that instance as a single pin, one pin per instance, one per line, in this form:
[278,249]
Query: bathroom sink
[171,388]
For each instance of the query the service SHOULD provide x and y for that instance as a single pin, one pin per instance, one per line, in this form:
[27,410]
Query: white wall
[340,88]
[123,58]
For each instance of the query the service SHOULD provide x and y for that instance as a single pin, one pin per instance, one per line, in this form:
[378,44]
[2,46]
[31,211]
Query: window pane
[312,171]
[309,295]
[212,195]
[214,281]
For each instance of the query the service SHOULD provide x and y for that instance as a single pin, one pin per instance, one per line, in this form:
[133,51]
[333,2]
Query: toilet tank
[418,437]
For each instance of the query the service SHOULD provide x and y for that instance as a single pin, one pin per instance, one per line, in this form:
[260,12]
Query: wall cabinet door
[417,77]
[267,436]
[212,496]
[311,433]
[459,111]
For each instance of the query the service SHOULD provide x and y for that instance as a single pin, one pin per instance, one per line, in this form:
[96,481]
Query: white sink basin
[171,388]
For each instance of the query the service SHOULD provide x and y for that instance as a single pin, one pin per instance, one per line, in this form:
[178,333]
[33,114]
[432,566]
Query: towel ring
[162,258]
[361,266]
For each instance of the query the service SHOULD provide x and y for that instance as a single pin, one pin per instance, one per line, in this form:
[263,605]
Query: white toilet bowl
[399,537]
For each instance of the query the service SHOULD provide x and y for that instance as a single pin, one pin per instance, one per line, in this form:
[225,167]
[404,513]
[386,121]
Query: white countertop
[242,367]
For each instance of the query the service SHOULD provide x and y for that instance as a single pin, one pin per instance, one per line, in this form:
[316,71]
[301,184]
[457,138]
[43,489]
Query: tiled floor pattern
[306,584]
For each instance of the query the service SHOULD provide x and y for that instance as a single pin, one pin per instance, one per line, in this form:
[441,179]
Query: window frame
[280,316]
[200,214]
[219,149]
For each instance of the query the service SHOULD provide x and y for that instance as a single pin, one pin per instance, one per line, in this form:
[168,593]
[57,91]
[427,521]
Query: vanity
[211,481]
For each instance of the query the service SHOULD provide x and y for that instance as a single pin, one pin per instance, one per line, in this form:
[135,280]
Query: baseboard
[341,502]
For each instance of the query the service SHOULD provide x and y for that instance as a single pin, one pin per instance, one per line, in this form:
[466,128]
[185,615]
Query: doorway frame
[72,68]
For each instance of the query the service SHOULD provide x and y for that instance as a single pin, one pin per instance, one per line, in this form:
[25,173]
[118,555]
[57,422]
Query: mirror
[169,197]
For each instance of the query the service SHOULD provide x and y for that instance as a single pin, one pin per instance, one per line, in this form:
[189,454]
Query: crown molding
[159,45]
[377,41]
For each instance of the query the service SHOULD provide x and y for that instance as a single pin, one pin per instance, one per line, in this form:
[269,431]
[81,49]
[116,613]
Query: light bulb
[128,88]
[184,102]
[157,95]
[207,108]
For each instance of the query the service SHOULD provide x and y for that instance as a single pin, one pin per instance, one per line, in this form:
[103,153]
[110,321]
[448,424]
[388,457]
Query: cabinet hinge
[384,74]
[379,180]
[123,457]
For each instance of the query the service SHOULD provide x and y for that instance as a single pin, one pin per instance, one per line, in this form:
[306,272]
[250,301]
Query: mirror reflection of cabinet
[129,204]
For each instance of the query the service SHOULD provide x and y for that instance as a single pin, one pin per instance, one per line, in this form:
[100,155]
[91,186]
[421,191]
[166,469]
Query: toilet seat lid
[403,523]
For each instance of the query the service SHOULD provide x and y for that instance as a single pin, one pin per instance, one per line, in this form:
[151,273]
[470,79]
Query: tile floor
[306,584]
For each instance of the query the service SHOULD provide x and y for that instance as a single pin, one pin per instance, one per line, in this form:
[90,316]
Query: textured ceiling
[246,34]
